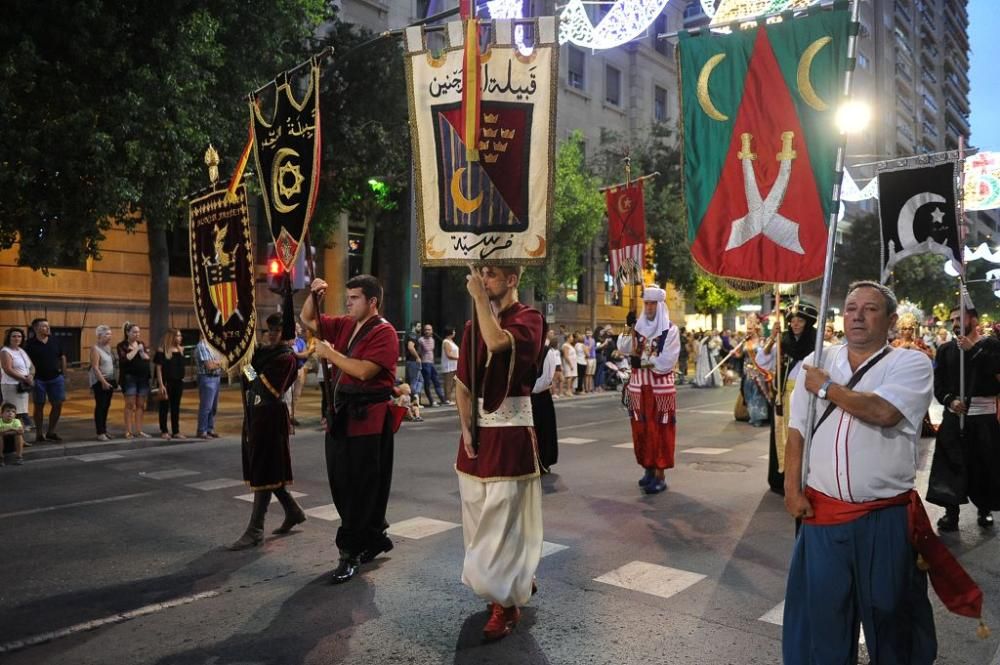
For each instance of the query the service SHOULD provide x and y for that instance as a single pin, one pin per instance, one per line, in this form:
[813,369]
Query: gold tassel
[983,631]
[922,563]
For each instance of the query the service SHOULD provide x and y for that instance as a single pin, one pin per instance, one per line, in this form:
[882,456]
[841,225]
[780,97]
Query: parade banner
[760,144]
[493,203]
[222,272]
[626,232]
[917,208]
[982,181]
[287,153]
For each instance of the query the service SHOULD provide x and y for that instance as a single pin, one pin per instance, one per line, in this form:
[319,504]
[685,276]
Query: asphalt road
[117,557]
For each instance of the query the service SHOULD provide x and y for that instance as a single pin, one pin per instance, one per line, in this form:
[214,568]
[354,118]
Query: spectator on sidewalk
[16,373]
[304,347]
[568,351]
[101,379]
[209,368]
[449,363]
[170,367]
[425,346]
[50,383]
[412,358]
[133,376]
[13,433]
[590,353]
[581,362]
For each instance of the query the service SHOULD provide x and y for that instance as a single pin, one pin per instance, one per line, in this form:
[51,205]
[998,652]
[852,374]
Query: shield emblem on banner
[287,153]
[222,289]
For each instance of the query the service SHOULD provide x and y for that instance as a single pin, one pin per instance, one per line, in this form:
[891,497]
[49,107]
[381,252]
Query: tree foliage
[577,218]
[109,107]
[712,297]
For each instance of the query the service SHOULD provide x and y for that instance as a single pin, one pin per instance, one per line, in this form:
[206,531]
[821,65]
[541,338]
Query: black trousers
[102,404]
[974,455]
[359,469]
[173,403]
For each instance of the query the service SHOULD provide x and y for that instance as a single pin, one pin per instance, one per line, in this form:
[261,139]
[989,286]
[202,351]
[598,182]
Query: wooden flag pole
[831,245]
[960,221]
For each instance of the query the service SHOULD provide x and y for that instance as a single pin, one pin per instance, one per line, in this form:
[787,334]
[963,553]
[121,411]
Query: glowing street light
[853,117]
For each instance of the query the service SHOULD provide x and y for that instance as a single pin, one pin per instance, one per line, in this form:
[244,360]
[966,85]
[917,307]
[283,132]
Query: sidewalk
[76,425]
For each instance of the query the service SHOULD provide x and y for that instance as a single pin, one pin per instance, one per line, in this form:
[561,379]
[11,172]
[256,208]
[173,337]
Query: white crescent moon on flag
[904,224]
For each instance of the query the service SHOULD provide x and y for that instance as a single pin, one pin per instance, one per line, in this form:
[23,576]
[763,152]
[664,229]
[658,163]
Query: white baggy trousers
[502,528]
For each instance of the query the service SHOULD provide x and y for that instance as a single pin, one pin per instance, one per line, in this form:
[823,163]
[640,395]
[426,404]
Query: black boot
[346,569]
[255,530]
[293,512]
[950,520]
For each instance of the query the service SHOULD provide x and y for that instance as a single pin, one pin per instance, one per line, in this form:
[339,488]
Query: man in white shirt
[853,562]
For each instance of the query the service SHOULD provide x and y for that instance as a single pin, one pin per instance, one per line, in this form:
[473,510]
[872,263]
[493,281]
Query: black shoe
[948,523]
[347,569]
[291,520]
[370,553]
[985,519]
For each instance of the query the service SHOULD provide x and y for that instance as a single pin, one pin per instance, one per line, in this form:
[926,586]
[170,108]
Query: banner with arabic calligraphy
[497,209]
[222,275]
[287,152]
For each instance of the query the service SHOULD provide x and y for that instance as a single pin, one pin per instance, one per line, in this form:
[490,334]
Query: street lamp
[853,117]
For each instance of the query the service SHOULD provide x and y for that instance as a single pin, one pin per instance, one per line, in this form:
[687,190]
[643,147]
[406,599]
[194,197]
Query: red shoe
[501,623]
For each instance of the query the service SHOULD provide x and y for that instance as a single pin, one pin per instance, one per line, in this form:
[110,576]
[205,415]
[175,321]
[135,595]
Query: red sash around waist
[954,587]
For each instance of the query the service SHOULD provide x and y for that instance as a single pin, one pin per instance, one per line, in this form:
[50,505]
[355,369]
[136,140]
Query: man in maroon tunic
[267,462]
[362,349]
[498,469]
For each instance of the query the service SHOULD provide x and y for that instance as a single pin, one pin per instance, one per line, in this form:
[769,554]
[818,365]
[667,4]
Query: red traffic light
[274,267]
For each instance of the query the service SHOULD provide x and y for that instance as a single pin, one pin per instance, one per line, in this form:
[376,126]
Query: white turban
[653,329]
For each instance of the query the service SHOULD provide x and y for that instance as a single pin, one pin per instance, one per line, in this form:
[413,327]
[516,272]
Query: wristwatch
[821,393]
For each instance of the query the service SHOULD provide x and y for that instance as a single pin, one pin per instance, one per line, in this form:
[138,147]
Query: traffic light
[276,271]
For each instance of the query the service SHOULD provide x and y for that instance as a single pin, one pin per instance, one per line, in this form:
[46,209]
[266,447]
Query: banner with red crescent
[626,232]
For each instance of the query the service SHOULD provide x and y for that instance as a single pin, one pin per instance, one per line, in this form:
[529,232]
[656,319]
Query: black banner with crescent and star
[222,274]
[287,153]
[917,208]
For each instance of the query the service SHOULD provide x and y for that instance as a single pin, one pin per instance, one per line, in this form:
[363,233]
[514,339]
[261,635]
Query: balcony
[928,75]
[905,131]
[905,104]
[960,87]
[952,110]
[929,129]
[903,13]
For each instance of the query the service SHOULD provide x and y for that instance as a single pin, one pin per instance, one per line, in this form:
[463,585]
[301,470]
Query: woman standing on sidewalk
[102,371]
[133,370]
[16,370]
[170,365]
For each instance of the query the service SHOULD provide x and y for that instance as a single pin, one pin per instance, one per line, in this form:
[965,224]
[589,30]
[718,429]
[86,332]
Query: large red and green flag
[760,144]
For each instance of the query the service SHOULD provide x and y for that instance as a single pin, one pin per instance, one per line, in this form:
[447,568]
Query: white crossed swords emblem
[763,216]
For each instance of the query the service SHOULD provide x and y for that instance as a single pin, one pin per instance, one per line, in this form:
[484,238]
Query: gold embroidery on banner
[703,97]
[802,75]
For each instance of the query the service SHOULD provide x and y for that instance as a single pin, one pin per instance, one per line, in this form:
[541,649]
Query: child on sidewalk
[12,432]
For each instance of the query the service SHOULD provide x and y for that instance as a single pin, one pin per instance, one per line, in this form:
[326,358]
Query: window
[612,86]
[179,263]
[661,46]
[660,113]
[863,61]
[577,66]
[69,340]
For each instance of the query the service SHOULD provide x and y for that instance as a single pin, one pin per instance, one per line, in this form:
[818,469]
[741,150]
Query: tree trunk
[159,286]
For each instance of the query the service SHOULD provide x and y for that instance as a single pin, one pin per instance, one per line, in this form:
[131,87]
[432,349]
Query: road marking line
[249,497]
[97,623]
[651,578]
[708,412]
[551,548]
[627,444]
[169,473]
[98,457]
[706,451]
[217,484]
[774,615]
[35,511]
[574,441]
[327,512]
[420,527]
[767,456]
[702,406]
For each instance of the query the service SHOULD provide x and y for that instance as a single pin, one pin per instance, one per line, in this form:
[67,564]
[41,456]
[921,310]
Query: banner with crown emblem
[222,274]
[287,153]
[493,202]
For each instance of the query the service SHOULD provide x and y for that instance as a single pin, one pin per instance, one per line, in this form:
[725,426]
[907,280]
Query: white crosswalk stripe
[420,527]
[216,484]
[98,457]
[169,473]
[552,548]
[706,451]
[327,512]
[651,578]
[575,441]
[249,497]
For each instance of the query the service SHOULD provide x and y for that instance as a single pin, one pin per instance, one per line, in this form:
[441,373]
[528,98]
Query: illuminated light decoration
[740,10]
[626,20]
[512,9]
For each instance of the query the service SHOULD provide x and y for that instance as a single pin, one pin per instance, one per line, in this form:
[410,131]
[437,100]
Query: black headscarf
[794,350]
